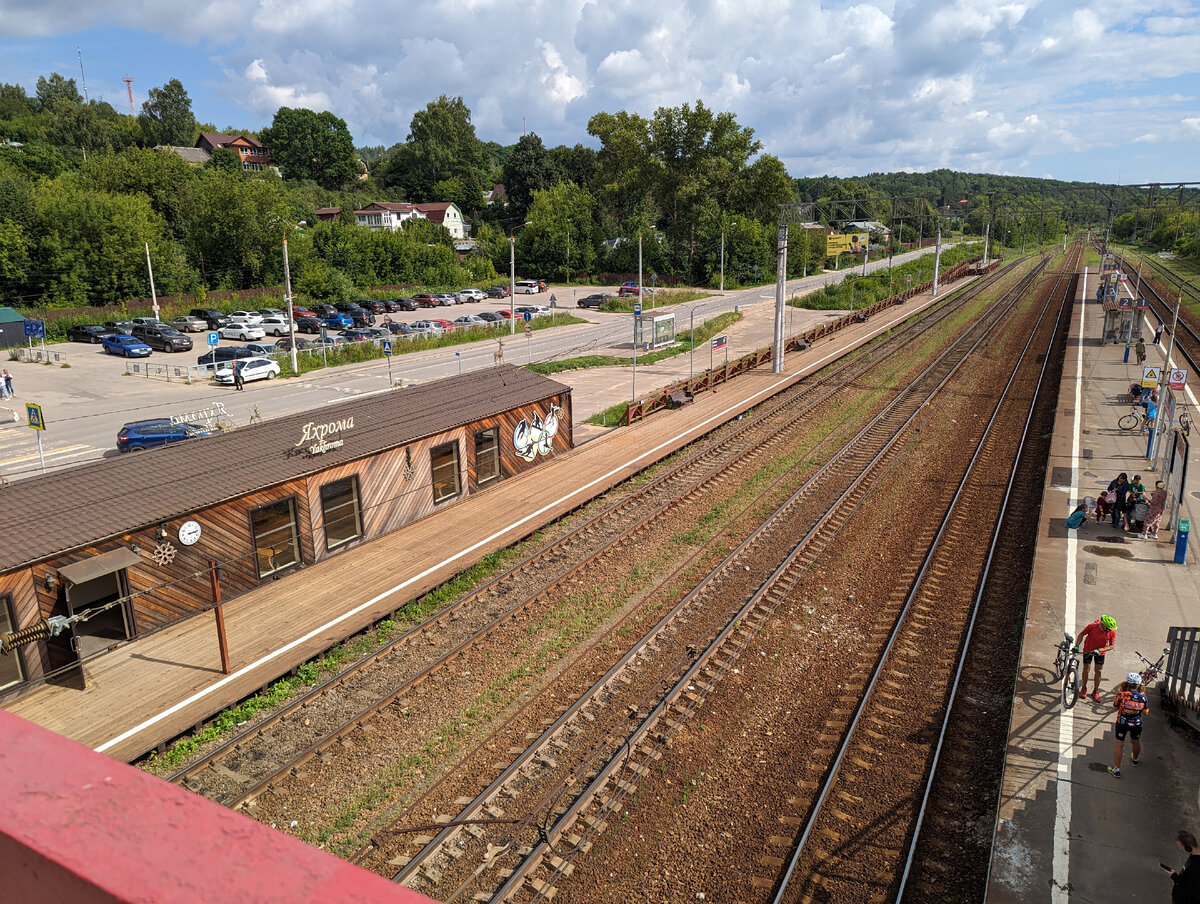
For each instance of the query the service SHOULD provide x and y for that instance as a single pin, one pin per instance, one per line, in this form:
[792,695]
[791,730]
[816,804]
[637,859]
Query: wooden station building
[130,542]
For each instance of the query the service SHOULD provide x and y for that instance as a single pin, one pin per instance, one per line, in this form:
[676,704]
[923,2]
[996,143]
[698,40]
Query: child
[1078,518]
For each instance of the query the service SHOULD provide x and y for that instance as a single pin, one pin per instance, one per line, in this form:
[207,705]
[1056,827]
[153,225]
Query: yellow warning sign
[1150,377]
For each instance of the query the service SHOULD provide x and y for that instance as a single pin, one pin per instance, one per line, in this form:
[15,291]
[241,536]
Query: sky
[1104,90]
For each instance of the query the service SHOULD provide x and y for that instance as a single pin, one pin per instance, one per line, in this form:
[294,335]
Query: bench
[679,398]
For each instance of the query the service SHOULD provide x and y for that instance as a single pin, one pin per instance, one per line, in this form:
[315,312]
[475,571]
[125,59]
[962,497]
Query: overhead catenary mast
[82,77]
[128,80]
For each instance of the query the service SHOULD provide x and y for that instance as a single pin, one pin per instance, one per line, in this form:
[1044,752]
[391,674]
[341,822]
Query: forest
[88,193]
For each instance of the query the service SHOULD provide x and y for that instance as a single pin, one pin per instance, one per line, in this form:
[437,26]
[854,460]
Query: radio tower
[129,88]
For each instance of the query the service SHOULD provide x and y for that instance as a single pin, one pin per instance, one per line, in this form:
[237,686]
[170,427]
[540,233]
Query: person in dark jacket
[1187,881]
[1120,487]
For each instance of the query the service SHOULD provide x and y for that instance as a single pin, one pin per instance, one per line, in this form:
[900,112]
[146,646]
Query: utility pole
[780,290]
[512,279]
[150,270]
[287,288]
[937,258]
[722,260]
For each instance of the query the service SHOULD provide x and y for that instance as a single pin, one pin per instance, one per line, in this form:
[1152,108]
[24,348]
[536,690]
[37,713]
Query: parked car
[491,317]
[87,332]
[593,301]
[429,327]
[324,310]
[361,318]
[447,299]
[297,313]
[243,331]
[138,436]
[632,292]
[527,287]
[466,321]
[251,369]
[276,325]
[285,344]
[119,327]
[534,310]
[308,325]
[338,322]
[223,353]
[264,349]
[446,325]
[328,342]
[503,315]
[379,332]
[406,331]
[370,304]
[472,295]
[145,321]
[425,300]
[272,312]
[251,317]
[190,323]
[348,307]
[353,335]
[162,337]
[402,304]
[215,319]
[126,346]
[498,292]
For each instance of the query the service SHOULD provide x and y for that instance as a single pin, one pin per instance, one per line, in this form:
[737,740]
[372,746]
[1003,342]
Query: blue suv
[140,435]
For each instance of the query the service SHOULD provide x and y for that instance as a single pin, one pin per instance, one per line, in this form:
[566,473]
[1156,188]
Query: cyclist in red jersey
[1131,704]
[1096,639]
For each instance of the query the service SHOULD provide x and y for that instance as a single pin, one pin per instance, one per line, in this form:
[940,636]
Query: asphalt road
[85,404]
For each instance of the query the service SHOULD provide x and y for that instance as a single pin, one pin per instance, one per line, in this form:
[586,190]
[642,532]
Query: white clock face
[189,533]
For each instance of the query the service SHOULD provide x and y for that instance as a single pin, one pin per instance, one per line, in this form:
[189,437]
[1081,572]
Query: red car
[447,325]
[628,291]
[507,315]
[425,300]
[297,313]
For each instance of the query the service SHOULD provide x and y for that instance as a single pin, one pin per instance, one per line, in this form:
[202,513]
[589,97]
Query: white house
[386,215]
[448,215]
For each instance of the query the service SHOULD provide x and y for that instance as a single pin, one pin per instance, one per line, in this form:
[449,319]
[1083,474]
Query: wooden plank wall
[25,612]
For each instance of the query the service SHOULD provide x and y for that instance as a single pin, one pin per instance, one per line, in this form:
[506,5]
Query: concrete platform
[1068,830]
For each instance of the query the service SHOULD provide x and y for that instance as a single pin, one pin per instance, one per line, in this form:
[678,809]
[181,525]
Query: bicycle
[1066,669]
[1133,420]
[1153,669]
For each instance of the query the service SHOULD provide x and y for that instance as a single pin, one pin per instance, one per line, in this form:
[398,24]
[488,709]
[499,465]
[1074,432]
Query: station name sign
[316,436]
[204,415]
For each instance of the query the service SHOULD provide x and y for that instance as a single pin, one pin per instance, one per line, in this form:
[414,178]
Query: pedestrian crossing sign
[1150,377]
[33,416]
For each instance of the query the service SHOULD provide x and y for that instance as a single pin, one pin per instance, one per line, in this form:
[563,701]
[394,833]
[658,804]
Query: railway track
[242,768]
[866,813]
[571,777]
[1187,338]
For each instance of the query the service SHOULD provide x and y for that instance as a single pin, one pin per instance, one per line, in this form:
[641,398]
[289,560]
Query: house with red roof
[254,156]
[446,214]
[388,215]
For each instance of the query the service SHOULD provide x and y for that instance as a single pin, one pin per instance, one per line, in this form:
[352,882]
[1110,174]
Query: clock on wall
[189,532]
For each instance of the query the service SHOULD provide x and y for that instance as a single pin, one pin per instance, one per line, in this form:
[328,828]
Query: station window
[276,539]
[340,509]
[443,461]
[12,668]
[487,455]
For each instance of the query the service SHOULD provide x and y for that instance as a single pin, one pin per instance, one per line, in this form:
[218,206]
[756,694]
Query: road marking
[698,429]
[77,449]
[1059,887]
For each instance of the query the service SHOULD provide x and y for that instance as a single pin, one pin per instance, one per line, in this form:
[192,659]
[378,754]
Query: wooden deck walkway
[149,691]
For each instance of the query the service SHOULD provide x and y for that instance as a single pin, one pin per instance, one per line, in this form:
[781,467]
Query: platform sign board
[719,342]
[1150,377]
[35,329]
[34,417]
[637,309]
[214,338]
[1177,379]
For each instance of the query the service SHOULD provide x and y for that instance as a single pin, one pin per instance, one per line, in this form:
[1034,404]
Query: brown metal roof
[52,513]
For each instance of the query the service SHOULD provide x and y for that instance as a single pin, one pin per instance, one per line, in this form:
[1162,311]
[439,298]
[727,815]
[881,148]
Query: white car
[251,369]
[243,331]
[251,317]
[527,287]
[473,295]
[265,349]
[469,320]
[277,325]
[428,327]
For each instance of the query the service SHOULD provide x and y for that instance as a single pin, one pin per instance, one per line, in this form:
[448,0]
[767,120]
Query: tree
[226,159]
[166,116]
[14,102]
[56,89]
[442,154]
[526,171]
[308,145]
[561,223]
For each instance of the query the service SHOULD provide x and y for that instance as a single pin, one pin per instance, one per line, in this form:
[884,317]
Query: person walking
[8,385]
[1158,331]
[1140,348]
[1118,489]
[1154,513]
[1186,888]
[1131,704]
[238,383]
[1096,639]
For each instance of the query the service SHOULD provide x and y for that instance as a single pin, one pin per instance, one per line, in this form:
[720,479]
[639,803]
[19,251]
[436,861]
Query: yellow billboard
[836,243]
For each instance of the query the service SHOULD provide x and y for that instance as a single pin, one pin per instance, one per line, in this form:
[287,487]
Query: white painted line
[77,449]
[724,415]
[1061,869]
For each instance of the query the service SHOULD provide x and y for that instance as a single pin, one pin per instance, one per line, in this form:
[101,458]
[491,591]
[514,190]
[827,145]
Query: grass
[662,298]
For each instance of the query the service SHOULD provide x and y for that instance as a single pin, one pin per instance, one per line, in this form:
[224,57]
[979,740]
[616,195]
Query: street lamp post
[512,278]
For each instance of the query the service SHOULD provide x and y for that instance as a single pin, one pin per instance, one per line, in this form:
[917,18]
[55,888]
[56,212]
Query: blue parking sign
[387,347]
[214,338]
[35,329]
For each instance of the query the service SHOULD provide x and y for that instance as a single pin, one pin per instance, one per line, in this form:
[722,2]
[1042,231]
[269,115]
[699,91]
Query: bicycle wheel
[1070,687]
[1129,421]
[1060,663]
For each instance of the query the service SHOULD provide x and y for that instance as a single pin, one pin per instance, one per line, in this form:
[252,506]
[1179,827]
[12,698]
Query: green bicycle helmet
[1108,623]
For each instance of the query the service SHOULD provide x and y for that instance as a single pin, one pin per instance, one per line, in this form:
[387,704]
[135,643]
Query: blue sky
[1100,91]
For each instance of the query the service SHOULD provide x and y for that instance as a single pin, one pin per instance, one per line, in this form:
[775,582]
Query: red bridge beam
[78,827]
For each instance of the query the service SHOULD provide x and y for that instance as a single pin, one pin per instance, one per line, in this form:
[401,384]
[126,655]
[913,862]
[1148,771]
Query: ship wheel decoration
[164,554]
